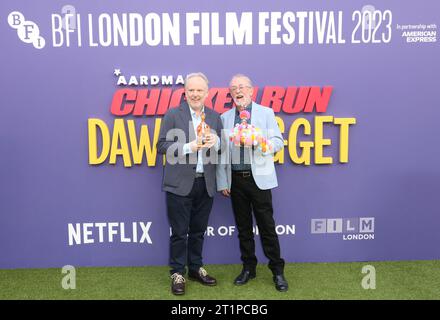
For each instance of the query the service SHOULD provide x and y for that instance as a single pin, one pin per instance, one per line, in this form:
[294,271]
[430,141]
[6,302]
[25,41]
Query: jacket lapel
[255,116]
[231,119]
[185,115]
[209,117]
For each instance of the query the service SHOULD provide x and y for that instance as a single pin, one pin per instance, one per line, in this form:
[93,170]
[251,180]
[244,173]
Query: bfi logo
[343,225]
[27,30]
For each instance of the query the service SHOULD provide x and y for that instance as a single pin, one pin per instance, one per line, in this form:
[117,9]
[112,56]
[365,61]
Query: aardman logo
[351,228]
[27,31]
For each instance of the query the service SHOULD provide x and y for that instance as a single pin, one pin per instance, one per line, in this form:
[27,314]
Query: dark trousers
[188,218]
[247,197]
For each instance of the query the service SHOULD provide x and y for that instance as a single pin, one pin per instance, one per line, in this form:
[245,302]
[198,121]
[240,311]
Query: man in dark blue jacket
[189,180]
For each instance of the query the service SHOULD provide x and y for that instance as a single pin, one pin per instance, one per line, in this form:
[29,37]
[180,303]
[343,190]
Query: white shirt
[196,119]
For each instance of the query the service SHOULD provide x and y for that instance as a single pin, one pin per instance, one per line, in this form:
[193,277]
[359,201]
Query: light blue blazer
[263,168]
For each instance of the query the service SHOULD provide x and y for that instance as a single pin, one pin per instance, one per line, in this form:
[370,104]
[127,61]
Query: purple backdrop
[392,174]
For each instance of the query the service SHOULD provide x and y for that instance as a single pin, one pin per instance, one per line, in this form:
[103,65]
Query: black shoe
[244,277]
[280,282]
[202,276]
[177,284]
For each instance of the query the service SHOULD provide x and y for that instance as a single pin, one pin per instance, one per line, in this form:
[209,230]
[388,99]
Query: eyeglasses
[241,87]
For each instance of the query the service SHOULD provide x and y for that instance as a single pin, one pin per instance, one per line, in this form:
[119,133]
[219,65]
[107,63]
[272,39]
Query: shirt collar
[248,108]
[193,113]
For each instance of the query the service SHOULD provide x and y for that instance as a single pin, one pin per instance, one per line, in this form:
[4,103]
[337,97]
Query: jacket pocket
[171,178]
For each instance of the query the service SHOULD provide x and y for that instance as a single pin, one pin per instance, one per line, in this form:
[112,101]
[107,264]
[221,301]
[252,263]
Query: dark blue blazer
[179,171]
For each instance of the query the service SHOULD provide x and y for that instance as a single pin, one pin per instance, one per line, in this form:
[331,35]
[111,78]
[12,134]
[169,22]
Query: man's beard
[242,105]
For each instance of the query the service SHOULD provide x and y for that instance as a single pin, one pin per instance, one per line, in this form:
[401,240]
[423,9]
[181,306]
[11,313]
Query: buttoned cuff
[187,148]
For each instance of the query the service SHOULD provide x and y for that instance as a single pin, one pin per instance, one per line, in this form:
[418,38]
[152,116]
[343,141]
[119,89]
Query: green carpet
[394,280]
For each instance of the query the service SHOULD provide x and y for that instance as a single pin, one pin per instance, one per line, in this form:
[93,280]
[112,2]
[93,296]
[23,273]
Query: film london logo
[27,30]
[361,228]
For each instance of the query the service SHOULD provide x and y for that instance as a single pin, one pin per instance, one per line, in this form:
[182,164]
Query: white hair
[240,75]
[196,74]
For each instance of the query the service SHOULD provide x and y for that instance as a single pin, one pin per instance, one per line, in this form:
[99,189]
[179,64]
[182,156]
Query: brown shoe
[202,277]
[177,284]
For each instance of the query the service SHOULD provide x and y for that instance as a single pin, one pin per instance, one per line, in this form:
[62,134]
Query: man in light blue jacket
[247,175]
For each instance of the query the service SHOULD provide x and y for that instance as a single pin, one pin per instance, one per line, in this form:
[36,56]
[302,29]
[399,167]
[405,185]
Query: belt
[242,174]
[199,175]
